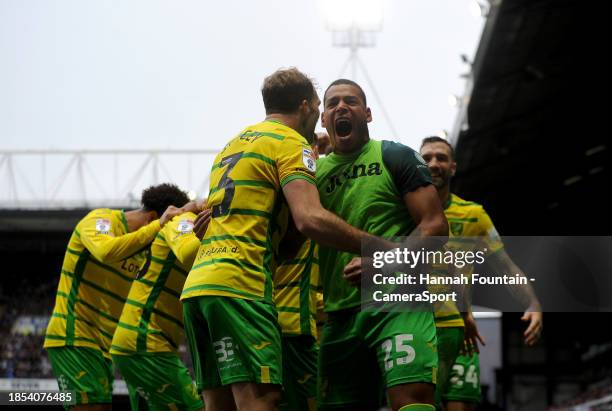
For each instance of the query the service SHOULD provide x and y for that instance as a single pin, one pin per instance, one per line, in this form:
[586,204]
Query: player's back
[296,282]
[91,294]
[236,256]
[152,319]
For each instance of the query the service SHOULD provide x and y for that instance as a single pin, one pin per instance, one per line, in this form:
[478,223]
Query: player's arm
[424,207]
[413,182]
[315,222]
[195,206]
[296,171]
[501,263]
[180,236]
[108,249]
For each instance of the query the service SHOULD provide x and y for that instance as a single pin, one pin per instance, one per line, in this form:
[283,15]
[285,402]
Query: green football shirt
[366,189]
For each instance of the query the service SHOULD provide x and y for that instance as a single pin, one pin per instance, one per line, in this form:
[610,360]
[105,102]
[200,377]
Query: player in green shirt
[384,188]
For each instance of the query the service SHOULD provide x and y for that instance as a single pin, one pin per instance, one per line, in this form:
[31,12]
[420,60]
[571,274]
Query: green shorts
[363,353]
[232,340]
[158,381]
[450,340]
[465,380]
[300,355]
[84,371]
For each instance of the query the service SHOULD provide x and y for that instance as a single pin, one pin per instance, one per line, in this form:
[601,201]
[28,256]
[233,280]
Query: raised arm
[109,249]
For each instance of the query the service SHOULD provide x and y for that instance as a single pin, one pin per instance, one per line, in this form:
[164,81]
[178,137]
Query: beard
[441,181]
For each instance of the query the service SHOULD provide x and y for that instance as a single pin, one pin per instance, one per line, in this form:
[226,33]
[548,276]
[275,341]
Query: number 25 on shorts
[396,346]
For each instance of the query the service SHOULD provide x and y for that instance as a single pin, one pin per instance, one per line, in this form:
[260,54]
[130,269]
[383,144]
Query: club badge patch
[309,159]
[185,226]
[103,226]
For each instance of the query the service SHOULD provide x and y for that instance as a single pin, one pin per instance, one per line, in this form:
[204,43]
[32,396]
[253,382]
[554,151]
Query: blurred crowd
[21,352]
[601,390]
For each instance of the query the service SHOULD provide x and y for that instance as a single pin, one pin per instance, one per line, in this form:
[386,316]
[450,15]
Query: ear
[323,119]
[368,114]
[453,168]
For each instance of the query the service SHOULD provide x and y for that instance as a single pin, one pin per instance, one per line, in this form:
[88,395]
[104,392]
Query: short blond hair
[284,90]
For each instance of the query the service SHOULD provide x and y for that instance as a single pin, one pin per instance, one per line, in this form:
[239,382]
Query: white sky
[187,74]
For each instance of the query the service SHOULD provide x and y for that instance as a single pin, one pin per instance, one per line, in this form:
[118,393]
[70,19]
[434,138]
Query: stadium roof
[528,154]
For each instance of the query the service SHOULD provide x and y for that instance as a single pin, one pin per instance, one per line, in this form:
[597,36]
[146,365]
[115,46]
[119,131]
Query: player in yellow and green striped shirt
[104,255]
[465,219]
[150,328]
[230,317]
[297,295]
[296,284]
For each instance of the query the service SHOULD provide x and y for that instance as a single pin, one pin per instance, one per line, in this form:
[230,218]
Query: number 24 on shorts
[398,345]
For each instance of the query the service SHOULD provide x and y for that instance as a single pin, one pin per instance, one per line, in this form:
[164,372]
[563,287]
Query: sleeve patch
[185,226]
[309,159]
[103,226]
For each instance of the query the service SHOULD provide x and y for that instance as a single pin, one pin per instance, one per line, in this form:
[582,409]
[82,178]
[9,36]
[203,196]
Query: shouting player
[230,318]
[383,188]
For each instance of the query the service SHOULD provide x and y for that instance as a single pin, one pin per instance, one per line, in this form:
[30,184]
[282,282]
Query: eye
[331,102]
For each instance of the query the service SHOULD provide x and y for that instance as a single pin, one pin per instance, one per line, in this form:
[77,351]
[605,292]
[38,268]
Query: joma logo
[351,173]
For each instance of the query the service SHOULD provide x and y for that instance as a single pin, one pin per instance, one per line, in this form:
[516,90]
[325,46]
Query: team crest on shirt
[308,157]
[185,226]
[456,228]
[103,226]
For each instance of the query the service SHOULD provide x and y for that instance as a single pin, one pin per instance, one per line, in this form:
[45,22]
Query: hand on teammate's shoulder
[201,222]
[169,214]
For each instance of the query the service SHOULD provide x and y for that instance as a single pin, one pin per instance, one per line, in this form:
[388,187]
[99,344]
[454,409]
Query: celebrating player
[384,188]
[230,319]
[459,387]
[104,255]
[150,329]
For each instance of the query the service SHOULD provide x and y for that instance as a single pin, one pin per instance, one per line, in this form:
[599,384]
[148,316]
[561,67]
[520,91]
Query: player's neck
[444,194]
[289,120]
[352,148]
[136,219]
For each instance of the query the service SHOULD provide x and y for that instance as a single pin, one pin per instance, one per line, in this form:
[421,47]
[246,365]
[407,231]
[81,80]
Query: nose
[433,164]
[342,106]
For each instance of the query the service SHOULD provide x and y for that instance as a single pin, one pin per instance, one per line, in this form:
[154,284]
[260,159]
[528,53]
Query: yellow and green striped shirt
[296,282]
[465,219]
[101,261]
[236,256]
[152,318]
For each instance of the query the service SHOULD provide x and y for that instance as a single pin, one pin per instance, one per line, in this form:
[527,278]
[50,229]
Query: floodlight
[478,8]
[442,134]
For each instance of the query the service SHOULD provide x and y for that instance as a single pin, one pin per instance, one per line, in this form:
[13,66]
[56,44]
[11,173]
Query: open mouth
[343,127]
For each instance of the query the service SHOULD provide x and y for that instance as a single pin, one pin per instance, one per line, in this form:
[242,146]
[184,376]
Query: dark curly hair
[158,198]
